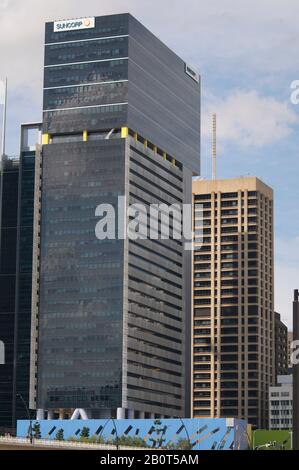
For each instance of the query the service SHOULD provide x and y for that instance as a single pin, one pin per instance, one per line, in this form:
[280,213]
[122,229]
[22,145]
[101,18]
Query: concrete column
[141,415]
[50,415]
[61,414]
[40,414]
[121,413]
[130,414]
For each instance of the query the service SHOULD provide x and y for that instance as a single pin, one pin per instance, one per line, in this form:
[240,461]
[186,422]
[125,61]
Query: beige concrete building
[233,311]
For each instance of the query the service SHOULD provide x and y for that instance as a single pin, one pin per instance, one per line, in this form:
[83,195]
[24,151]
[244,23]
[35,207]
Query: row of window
[86,50]
[92,95]
[200,197]
[80,74]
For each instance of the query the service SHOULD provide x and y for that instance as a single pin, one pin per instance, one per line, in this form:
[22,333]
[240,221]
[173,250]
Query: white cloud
[258,40]
[250,38]
[260,35]
[248,119]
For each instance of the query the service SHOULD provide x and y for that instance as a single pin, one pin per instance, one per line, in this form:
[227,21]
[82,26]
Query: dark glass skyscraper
[9,214]
[121,119]
[17,203]
[29,158]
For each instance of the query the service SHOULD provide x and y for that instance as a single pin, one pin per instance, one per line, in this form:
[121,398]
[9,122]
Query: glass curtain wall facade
[81,288]
[29,156]
[9,215]
[17,203]
[154,309]
[113,314]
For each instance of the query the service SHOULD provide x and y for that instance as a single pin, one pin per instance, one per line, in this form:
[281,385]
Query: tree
[59,435]
[101,440]
[139,442]
[36,432]
[85,433]
[183,444]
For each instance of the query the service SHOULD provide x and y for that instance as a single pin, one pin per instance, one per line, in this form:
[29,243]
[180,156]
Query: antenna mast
[214,147]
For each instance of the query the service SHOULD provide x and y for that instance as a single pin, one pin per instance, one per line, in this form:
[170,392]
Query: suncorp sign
[192,73]
[72,25]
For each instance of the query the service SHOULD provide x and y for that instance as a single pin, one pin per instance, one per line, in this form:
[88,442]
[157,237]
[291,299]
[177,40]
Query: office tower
[17,201]
[281,403]
[28,166]
[233,316]
[9,212]
[121,119]
[281,347]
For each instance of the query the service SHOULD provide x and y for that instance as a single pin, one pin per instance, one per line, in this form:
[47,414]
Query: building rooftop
[250,183]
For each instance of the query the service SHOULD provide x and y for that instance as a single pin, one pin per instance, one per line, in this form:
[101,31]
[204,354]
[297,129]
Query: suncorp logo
[71,25]
[192,73]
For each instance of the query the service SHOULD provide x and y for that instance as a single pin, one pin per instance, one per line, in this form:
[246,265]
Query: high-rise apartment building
[16,202]
[281,347]
[121,119]
[233,313]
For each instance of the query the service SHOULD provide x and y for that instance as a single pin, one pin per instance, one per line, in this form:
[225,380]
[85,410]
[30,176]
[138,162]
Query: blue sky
[247,54]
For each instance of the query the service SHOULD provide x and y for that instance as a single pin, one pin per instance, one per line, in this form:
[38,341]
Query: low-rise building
[281,403]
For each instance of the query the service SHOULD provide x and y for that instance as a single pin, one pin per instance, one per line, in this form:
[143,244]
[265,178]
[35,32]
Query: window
[202,312]
[229,203]
[229,195]
[202,301]
[229,212]
[229,221]
[201,197]
[202,293]
[229,238]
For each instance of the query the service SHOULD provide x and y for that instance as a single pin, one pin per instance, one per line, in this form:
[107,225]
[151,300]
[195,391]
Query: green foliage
[92,440]
[36,432]
[128,441]
[59,435]
[124,441]
[272,440]
[182,444]
[170,446]
[85,433]
[139,442]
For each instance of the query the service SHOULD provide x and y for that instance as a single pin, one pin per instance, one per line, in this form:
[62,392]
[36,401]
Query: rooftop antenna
[214,147]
